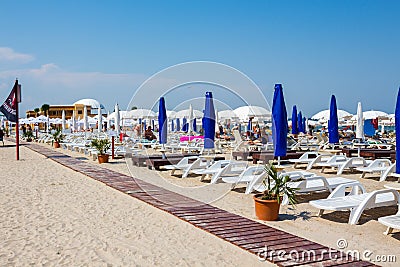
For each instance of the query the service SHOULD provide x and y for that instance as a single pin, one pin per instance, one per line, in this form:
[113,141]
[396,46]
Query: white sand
[366,237]
[53,216]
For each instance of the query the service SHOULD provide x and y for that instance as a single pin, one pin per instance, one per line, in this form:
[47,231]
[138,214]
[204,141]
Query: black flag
[9,107]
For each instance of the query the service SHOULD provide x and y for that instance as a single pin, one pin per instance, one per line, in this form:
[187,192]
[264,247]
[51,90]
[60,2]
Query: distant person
[149,135]
[2,136]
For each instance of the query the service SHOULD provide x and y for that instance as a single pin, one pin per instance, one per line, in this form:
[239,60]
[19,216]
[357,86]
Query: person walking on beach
[1,135]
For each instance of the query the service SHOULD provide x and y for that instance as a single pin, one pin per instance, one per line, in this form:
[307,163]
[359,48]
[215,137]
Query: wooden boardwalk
[240,231]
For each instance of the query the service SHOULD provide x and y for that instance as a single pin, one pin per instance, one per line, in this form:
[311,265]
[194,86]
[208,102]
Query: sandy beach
[55,216]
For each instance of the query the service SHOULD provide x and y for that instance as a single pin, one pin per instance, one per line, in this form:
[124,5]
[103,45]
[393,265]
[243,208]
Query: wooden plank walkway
[247,234]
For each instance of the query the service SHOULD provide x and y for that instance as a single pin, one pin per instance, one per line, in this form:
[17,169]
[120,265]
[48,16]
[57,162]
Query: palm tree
[36,110]
[45,108]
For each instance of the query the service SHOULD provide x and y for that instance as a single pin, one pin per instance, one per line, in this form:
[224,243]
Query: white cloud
[8,54]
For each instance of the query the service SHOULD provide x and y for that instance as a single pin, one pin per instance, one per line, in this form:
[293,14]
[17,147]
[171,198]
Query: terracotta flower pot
[102,158]
[266,210]
[56,145]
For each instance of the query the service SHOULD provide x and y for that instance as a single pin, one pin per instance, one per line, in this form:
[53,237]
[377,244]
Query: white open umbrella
[185,114]
[140,114]
[360,122]
[63,120]
[246,112]
[324,115]
[99,120]
[227,115]
[373,114]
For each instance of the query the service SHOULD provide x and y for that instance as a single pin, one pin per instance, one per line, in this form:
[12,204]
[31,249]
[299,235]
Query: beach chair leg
[362,175]
[202,177]
[388,231]
[322,170]
[320,213]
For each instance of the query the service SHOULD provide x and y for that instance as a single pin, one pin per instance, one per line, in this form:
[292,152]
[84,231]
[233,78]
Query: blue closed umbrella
[178,125]
[333,123]
[304,125]
[194,125]
[300,122]
[209,121]
[172,125]
[144,125]
[162,122]
[397,128]
[152,125]
[279,123]
[184,125]
[295,128]
[249,126]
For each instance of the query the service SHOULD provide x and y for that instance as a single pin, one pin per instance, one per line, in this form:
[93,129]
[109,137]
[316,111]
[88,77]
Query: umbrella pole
[279,160]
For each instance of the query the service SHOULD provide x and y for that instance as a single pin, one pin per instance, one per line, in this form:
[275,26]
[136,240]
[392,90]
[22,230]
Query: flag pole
[17,115]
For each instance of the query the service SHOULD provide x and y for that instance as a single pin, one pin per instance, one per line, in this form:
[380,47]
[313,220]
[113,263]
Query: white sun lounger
[376,166]
[356,201]
[245,177]
[181,165]
[232,169]
[392,222]
[306,158]
[214,168]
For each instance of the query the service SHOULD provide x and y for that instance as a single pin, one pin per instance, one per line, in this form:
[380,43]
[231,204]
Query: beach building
[55,111]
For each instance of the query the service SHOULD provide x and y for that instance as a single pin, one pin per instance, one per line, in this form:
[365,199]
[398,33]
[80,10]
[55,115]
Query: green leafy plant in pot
[58,137]
[101,145]
[29,136]
[267,204]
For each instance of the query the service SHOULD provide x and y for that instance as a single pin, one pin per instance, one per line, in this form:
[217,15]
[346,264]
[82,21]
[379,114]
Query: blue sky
[63,51]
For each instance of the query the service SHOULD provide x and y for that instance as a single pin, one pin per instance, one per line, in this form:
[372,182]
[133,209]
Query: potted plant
[29,136]
[58,138]
[267,203]
[101,145]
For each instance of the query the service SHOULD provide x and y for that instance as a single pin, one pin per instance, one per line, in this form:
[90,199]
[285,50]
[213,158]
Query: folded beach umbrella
[194,125]
[190,122]
[85,119]
[172,125]
[184,124]
[249,128]
[333,127]
[279,123]
[397,129]
[152,123]
[360,122]
[99,120]
[304,125]
[47,124]
[63,120]
[117,119]
[73,123]
[162,122]
[209,122]
[108,119]
[300,122]
[295,128]
[178,126]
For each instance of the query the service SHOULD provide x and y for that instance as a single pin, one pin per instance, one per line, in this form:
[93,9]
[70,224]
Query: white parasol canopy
[185,114]
[63,120]
[246,112]
[373,114]
[227,115]
[140,114]
[324,115]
